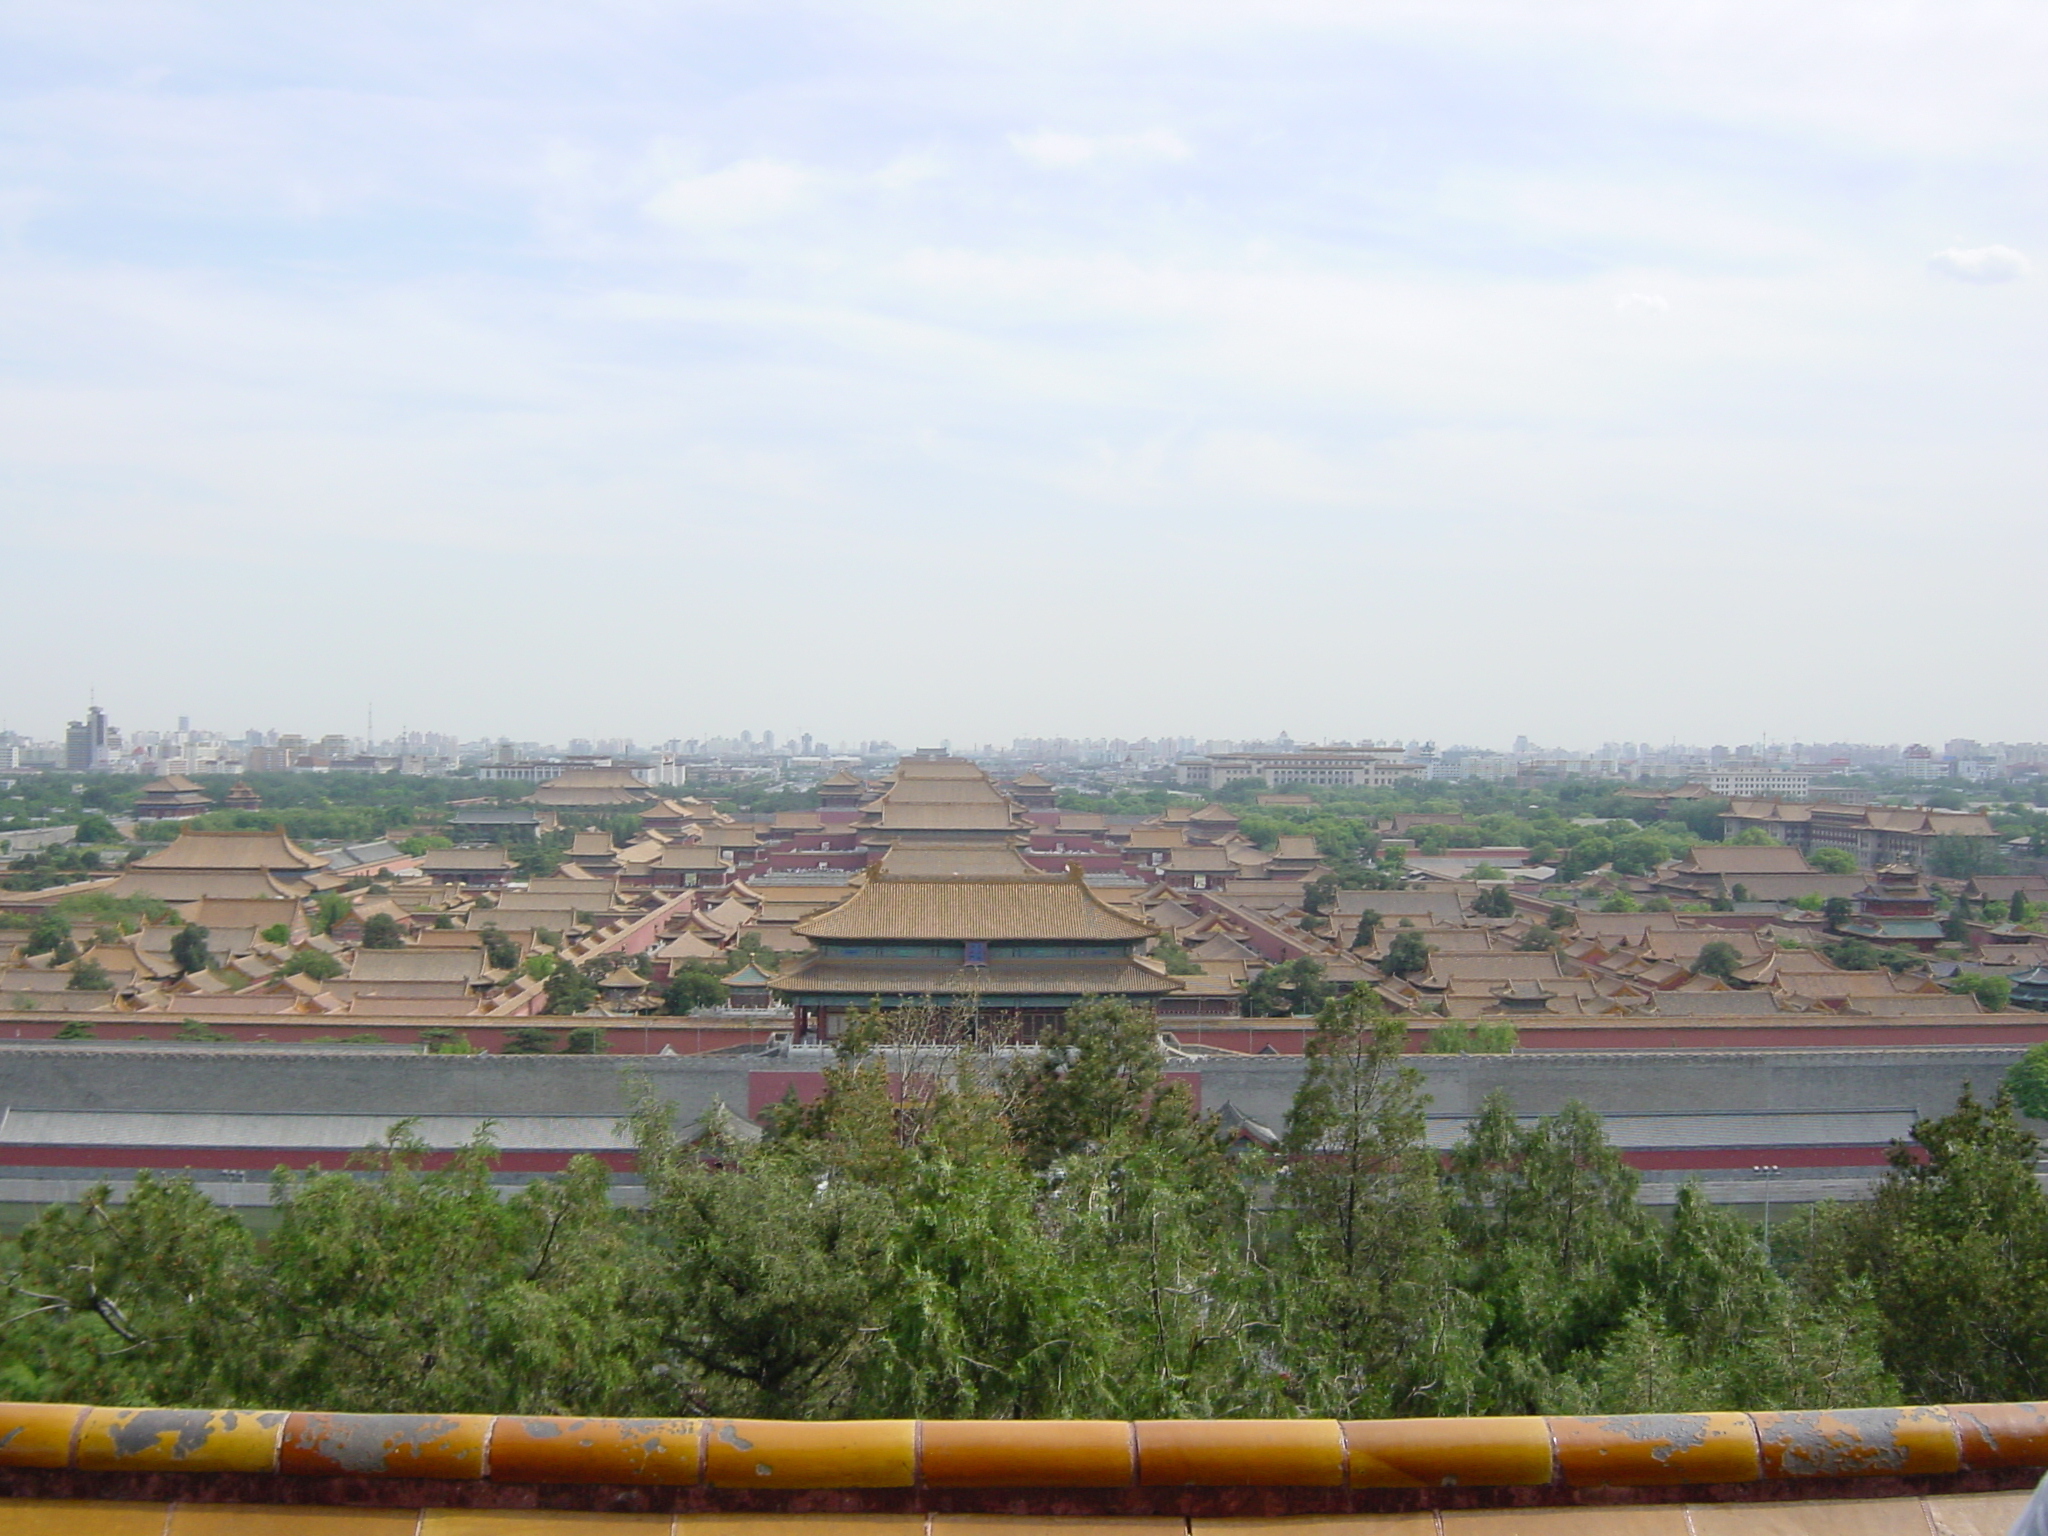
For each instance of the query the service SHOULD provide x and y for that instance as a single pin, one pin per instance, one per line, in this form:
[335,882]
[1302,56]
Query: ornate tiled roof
[1051,907]
[231,850]
[842,976]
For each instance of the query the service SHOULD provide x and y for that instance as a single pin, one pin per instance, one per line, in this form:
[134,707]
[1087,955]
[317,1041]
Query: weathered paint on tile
[385,1445]
[1857,1442]
[1240,1453]
[1973,1514]
[1032,1525]
[537,1522]
[2001,1434]
[1656,1449]
[777,1453]
[81,1517]
[1014,1453]
[38,1434]
[1567,1520]
[287,1520]
[178,1440]
[551,1450]
[1818,1517]
[1449,1453]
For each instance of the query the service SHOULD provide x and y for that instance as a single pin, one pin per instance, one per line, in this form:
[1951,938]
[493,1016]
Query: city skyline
[99,741]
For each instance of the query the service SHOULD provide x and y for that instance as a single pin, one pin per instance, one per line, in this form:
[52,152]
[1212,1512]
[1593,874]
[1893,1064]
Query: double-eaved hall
[954,917]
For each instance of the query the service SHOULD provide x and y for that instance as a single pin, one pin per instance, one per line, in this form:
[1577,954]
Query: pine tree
[1368,925]
[1954,1253]
[1408,955]
[381,931]
[1093,1073]
[188,949]
[1373,1324]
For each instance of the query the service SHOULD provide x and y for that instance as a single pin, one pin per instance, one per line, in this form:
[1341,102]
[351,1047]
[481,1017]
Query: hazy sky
[1590,370]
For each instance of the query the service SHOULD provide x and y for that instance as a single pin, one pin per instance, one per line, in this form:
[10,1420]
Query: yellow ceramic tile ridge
[1622,1450]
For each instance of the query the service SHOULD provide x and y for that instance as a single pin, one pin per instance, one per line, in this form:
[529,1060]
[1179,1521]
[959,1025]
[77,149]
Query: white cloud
[1054,151]
[909,170]
[1641,303]
[1982,264]
[746,192]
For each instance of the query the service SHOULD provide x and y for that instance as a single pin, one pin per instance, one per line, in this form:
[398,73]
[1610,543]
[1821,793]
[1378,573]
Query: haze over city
[1445,372]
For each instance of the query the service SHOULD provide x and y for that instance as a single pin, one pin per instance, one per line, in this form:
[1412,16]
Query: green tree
[196,1032]
[764,1279]
[1288,989]
[329,908]
[1372,1317]
[1752,837]
[1959,858]
[692,987]
[315,963]
[75,1029]
[1407,955]
[1368,924]
[1837,910]
[446,1042]
[97,829]
[276,933]
[90,976]
[381,931]
[1637,854]
[2016,910]
[1092,1075]
[1720,1326]
[1473,1039]
[1555,1248]
[1953,1251]
[587,1041]
[1994,992]
[501,950]
[1833,861]
[569,990]
[1178,962]
[2027,1081]
[1718,958]
[1588,853]
[1494,901]
[188,949]
[529,1040]
[147,1300]
[426,1283]
[48,932]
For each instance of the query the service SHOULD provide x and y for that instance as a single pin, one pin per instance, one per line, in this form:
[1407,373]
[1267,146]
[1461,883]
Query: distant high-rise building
[85,742]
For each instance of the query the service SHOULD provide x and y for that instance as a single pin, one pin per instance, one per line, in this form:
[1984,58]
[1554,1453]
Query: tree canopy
[1056,1233]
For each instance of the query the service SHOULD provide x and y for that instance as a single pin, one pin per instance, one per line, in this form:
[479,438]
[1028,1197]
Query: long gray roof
[326,1132]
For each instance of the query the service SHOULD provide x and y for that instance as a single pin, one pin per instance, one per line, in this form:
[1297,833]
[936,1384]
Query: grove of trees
[1052,1233]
